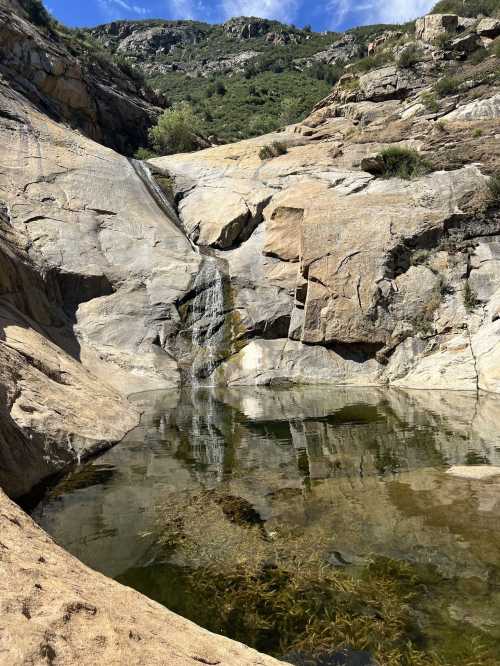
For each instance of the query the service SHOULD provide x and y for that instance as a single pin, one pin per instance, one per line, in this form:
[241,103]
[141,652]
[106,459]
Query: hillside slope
[244,77]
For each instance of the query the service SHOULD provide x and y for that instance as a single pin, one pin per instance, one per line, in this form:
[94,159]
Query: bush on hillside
[274,149]
[403,163]
[494,187]
[430,101]
[447,85]
[291,109]
[469,297]
[176,130]
[469,8]
[129,69]
[410,57]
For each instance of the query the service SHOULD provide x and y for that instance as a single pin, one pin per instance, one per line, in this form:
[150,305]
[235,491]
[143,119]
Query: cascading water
[207,318]
[147,177]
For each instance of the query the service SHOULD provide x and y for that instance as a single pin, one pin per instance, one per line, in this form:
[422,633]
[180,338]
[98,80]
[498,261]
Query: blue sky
[322,15]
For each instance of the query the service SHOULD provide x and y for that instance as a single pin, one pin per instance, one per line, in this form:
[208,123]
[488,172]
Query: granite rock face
[91,94]
[53,605]
[431,27]
[374,280]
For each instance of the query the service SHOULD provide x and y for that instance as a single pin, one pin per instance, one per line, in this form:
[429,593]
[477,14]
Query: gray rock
[488,27]
[431,27]
[481,109]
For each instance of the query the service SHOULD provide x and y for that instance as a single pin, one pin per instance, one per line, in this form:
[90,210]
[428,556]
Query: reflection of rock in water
[207,319]
[375,463]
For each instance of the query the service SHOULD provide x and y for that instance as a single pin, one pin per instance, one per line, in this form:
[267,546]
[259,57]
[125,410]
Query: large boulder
[481,109]
[488,27]
[431,27]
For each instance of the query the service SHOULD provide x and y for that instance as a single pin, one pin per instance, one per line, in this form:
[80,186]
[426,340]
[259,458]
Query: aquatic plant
[280,592]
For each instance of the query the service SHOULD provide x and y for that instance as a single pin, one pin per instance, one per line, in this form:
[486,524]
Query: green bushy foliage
[403,163]
[469,8]
[274,149]
[374,61]
[469,297]
[176,130]
[447,85]
[291,108]
[494,187]
[144,154]
[429,100]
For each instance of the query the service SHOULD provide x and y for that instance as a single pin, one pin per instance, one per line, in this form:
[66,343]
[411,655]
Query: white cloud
[110,8]
[191,9]
[377,11]
[281,10]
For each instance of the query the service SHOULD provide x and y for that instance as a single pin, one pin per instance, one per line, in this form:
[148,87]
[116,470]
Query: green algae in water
[307,522]
[280,593]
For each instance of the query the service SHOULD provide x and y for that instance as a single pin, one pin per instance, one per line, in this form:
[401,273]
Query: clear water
[354,474]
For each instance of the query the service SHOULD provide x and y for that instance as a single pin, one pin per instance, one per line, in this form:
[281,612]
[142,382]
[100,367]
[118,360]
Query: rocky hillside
[67,78]
[249,76]
[244,77]
[359,246]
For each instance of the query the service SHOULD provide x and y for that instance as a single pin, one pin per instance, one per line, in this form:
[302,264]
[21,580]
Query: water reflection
[364,470]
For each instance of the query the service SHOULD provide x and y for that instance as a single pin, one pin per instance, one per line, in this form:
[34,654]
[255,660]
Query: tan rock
[488,27]
[53,608]
[54,412]
[431,27]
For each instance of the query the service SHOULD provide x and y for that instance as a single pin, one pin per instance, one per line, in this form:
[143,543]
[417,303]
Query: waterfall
[146,176]
[207,318]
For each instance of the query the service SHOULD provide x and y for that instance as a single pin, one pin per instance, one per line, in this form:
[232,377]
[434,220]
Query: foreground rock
[55,610]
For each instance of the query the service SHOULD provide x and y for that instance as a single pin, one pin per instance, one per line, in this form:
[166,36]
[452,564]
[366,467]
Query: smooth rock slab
[483,109]
[474,472]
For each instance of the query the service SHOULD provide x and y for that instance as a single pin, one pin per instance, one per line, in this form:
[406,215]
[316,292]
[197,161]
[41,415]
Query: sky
[322,15]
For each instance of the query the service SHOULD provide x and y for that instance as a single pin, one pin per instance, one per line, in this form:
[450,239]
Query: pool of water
[322,525]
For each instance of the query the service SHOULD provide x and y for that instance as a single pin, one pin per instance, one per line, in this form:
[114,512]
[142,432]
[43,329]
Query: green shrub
[478,56]
[419,257]
[477,133]
[291,109]
[262,124]
[274,149]
[494,187]
[443,41]
[372,62]
[447,85]
[128,68]
[37,12]
[469,297]
[176,130]
[410,57]
[402,163]
[220,88]
[429,100]
[469,8]
[144,154]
